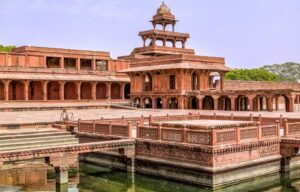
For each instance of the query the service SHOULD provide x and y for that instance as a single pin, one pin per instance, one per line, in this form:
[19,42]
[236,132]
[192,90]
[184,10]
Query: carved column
[94,65]
[61,174]
[6,90]
[180,103]
[269,103]
[108,90]
[78,63]
[200,101]
[165,103]
[26,85]
[78,90]
[292,103]
[94,89]
[251,98]
[221,81]
[216,102]
[61,63]
[62,90]
[44,86]
[232,100]
[122,90]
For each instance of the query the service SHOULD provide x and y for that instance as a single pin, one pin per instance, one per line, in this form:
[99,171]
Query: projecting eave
[61,77]
[213,67]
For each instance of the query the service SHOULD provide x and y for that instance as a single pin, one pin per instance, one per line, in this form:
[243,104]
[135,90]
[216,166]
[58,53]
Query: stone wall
[252,85]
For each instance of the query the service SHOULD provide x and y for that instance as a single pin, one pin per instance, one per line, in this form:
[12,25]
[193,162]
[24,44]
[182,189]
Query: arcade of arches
[278,102]
[62,90]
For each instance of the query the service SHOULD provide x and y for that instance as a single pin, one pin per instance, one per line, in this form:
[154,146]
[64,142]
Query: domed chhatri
[163,9]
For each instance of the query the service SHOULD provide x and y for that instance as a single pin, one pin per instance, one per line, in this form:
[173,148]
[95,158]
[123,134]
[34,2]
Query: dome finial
[163,9]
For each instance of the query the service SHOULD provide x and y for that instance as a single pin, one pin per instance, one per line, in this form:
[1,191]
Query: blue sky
[248,33]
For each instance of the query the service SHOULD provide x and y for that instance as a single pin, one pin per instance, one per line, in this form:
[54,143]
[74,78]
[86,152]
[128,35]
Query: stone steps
[19,136]
[23,139]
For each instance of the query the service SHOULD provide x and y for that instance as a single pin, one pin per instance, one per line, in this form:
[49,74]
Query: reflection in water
[40,177]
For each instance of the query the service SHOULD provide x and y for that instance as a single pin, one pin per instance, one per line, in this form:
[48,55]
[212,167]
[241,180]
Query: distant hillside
[6,48]
[286,72]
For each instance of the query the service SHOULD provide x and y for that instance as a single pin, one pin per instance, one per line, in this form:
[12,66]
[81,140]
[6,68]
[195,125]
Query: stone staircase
[22,139]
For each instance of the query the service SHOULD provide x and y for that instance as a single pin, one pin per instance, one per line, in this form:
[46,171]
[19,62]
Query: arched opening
[159,42]
[100,91]
[179,44]
[86,90]
[147,102]
[16,90]
[159,103]
[260,103]
[35,90]
[173,103]
[127,91]
[242,103]
[137,102]
[148,42]
[224,103]
[280,103]
[194,81]
[194,103]
[53,90]
[169,43]
[214,79]
[115,91]
[70,90]
[148,82]
[208,103]
[1,90]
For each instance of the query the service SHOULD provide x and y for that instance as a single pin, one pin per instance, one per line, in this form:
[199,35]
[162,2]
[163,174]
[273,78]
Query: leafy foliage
[251,75]
[6,48]
[288,72]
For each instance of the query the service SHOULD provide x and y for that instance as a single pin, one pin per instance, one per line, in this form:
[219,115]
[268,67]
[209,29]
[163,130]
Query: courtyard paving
[89,114]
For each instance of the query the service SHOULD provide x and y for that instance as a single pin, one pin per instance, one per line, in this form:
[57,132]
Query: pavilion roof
[204,66]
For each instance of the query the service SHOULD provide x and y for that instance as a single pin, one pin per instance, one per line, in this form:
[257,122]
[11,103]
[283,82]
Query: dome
[163,9]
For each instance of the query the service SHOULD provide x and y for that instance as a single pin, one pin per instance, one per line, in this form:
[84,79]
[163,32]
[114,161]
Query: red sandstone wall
[250,85]
[117,65]
[19,60]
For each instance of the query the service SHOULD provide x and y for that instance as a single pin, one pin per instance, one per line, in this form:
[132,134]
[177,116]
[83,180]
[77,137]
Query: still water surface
[93,178]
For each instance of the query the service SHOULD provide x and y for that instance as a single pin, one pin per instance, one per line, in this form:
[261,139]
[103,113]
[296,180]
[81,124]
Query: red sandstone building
[162,74]
[165,75]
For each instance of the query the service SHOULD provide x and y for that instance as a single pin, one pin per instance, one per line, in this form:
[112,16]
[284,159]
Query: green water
[99,179]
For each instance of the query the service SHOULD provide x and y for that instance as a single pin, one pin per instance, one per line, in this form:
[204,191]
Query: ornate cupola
[162,39]
[163,17]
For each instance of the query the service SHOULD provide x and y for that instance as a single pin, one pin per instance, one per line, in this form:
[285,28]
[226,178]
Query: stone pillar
[122,86]
[94,90]
[62,90]
[94,64]
[130,159]
[26,85]
[216,102]
[232,100]
[78,90]
[165,103]
[200,101]
[276,103]
[292,103]
[61,63]
[61,174]
[269,103]
[180,103]
[108,90]
[285,164]
[221,81]
[6,90]
[44,86]
[251,99]
[78,63]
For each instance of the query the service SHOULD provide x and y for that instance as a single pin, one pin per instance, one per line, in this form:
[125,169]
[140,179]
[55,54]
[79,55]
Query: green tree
[251,75]
[288,72]
[6,48]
